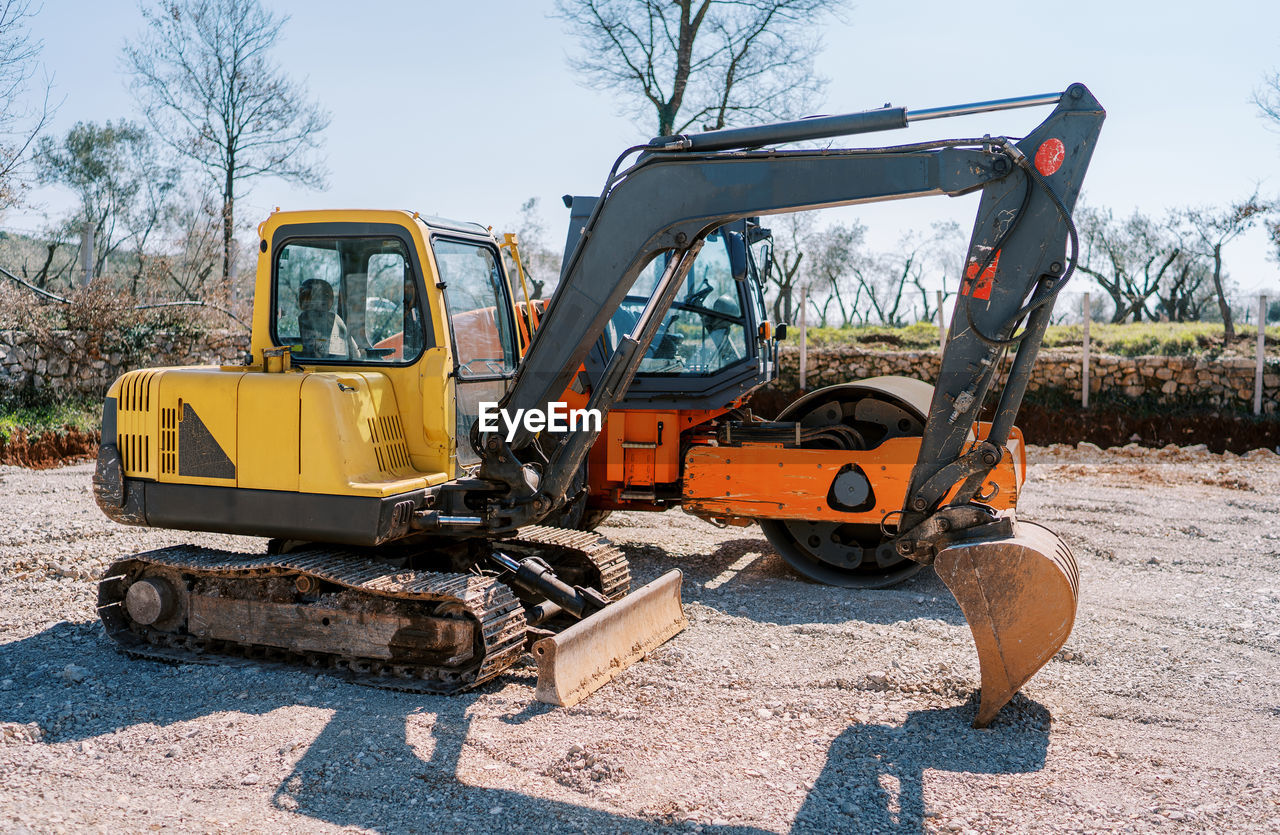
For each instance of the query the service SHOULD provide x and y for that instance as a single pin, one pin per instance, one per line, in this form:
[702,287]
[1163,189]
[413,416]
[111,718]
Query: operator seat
[721,332]
[322,331]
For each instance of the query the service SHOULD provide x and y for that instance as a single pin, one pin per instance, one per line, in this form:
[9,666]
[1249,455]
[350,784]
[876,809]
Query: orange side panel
[615,431]
[615,465]
[771,482]
[639,453]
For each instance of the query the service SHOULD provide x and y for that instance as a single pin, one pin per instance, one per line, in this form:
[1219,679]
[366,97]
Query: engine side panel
[320,456]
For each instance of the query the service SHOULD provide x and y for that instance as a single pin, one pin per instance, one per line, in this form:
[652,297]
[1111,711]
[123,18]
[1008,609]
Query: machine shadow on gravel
[874,776]
[746,577]
[117,693]
[442,796]
[336,779]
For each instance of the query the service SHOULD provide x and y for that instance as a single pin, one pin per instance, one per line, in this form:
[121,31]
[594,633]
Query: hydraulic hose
[1073,239]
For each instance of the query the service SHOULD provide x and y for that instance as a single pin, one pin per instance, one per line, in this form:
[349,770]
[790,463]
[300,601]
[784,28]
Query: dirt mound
[49,449]
[1108,428]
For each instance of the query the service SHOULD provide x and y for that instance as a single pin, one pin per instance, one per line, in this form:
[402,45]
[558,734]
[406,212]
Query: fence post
[942,326]
[1084,360]
[804,336]
[1262,338]
[86,252]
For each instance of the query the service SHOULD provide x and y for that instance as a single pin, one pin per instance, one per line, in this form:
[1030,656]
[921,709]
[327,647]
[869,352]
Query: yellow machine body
[276,428]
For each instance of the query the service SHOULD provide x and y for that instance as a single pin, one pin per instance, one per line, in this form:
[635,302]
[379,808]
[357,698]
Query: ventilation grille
[133,422]
[135,392]
[135,452]
[168,441]
[388,443]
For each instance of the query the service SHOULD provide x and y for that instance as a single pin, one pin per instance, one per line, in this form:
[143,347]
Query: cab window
[704,331]
[484,345]
[479,312]
[348,300]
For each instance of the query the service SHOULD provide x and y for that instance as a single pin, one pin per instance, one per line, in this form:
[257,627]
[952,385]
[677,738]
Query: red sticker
[980,289]
[1050,156]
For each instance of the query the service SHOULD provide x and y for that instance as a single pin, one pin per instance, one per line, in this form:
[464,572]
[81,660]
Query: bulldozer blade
[583,658]
[1019,596]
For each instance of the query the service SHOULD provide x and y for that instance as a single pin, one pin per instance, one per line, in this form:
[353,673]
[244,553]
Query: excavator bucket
[1019,595]
[583,658]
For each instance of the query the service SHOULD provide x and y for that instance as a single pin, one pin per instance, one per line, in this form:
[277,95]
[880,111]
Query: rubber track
[490,602]
[608,559]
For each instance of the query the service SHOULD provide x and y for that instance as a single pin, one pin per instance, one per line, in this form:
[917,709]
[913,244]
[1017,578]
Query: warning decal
[981,287]
[1049,156]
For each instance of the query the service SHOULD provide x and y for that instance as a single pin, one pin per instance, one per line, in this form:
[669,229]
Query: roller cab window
[705,329]
[348,300]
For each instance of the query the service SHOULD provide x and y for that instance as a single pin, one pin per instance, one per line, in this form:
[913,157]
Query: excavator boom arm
[677,193]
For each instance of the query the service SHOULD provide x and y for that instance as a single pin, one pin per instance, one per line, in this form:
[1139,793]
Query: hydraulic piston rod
[982,107]
[845,124]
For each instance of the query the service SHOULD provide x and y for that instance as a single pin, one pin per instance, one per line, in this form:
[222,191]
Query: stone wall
[69,365]
[73,365]
[1175,381]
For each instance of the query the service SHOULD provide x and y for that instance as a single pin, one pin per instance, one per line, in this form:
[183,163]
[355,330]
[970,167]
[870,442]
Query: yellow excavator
[412,439]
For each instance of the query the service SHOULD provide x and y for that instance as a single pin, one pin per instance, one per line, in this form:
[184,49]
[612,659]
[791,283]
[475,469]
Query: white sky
[468,109]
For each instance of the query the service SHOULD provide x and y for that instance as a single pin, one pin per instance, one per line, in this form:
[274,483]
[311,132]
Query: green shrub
[916,337]
[49,417]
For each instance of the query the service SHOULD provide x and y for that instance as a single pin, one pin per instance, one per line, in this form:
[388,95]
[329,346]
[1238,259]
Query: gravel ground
[785,706]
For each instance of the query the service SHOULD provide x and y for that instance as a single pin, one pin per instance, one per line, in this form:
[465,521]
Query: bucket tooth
[1019,595]
[583,658]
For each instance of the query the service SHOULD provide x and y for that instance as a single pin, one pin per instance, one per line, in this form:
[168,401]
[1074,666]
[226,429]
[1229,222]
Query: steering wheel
[699,295]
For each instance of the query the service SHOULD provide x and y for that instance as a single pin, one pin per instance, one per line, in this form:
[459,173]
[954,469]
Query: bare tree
[42,259]
[881,280]
[20,122]
[787,256]
[1128,259]
[203,75]
[189,261]
[541,261]
[845,283]
[1186,289]
[922,256]
[703,63]
[1267,97]
[1208,229]
[113,170]
[836,255]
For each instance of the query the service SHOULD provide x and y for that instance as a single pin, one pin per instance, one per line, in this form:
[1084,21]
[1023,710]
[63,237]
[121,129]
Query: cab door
[482,329]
